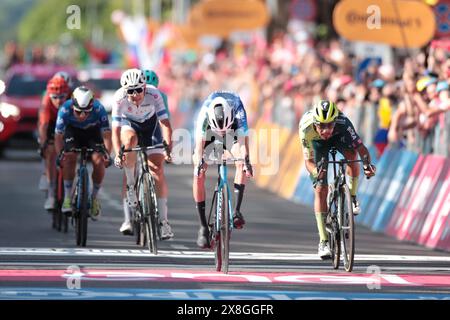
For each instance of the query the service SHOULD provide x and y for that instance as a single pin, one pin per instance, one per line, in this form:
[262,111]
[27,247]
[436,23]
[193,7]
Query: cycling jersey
[240,116]
[96,118]
[344,136]
[124,110]
[48,114]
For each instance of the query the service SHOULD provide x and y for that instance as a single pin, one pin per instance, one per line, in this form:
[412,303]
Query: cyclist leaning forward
[137,108]
[320,129]
[83,122]
[222,117]
[58,91]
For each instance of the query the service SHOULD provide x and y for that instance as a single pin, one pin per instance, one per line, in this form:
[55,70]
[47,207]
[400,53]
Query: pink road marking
[161,275]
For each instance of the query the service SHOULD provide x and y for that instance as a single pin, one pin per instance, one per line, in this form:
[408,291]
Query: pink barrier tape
[396,221]
[436,230]
[409,225]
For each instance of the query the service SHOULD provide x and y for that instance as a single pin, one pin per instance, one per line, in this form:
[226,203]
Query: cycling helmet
[151,78]
[83,99]
[325,111]
[132,78]
[220,114]
[424,82]
[57,85]
[65,76]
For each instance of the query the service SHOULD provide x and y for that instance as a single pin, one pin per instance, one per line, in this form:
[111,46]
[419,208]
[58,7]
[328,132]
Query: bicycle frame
[222,182]
[140,218]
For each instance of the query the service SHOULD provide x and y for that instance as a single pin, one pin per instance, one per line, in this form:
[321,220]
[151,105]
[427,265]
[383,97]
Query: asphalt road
[273,257]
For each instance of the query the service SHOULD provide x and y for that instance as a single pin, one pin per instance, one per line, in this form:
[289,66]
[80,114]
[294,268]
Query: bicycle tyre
[84,212]
[346,226]
[335,239]
[147,206]
[225,232]
[218,233]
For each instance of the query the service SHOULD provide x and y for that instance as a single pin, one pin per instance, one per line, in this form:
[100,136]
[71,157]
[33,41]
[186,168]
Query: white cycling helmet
[83,99]
[132,78]
[220,115]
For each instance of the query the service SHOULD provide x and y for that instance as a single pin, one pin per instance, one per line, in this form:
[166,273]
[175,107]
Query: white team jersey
[123,109]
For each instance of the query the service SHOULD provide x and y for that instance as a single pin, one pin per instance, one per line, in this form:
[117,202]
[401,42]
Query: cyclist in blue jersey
[222,117]
[83,122]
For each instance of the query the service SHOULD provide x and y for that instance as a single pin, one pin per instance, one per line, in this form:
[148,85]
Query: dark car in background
[21,100]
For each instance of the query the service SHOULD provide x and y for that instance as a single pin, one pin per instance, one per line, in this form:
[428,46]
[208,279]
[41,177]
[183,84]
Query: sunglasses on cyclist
[58,96]
[324,126]
[82,112]
[137,90]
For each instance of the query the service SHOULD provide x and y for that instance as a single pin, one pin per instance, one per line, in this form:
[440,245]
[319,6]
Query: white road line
[179,247]
[203,254]
[234,266]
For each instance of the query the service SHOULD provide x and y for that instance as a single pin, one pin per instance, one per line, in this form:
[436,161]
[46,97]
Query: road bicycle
[220,218]
[340,223]
[146,220]
[80,198]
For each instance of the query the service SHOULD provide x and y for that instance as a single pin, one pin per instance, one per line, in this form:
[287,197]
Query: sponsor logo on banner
[400,23]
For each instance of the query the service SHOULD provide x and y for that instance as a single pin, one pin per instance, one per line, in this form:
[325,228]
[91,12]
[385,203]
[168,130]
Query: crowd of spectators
[405,103]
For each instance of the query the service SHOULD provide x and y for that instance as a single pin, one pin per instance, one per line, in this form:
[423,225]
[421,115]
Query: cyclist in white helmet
[152,79]
[223,117]
[138,109]
[83,122]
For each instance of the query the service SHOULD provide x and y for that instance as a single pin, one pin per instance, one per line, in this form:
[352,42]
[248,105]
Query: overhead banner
[221,18]
[400,23]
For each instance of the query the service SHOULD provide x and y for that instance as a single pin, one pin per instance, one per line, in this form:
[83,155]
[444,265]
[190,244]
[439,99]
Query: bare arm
[167,132]
[59,142]
[116,139]
[107,141]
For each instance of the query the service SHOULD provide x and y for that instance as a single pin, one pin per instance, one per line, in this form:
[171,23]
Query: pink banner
[436,232]
[405,199]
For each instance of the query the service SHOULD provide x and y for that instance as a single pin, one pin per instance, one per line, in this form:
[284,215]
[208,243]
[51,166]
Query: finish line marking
[83,252]
[158,294]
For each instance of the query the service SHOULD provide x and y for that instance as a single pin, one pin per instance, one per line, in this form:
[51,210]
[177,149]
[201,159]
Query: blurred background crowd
[393,95]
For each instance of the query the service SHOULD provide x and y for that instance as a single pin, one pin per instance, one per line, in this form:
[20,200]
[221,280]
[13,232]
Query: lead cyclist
[222,117]
[320,129]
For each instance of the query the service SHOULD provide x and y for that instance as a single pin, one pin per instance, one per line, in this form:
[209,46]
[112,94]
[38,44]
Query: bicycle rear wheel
[225,232]
[82,204]
[148,208]
[347,229]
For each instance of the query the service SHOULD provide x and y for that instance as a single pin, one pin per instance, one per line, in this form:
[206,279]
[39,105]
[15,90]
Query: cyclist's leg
[352,171]
[126,226]
[129,139]
[240,179]
[50,167]
[95,141]
[321,149]
[71,140]
[199,194]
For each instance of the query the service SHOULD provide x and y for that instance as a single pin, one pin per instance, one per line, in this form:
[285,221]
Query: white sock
[126,210]
[68,188]
[162,208]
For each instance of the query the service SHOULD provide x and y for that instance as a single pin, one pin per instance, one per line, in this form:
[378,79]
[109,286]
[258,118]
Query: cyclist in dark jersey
[320,129]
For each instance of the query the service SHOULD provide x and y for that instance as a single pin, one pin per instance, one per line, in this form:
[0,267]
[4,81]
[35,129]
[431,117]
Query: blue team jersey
[97,118]
[240,116]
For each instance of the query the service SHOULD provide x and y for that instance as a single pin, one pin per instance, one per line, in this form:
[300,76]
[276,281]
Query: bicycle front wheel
[83,208]
[225,231]
[347,228]
[148,210]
